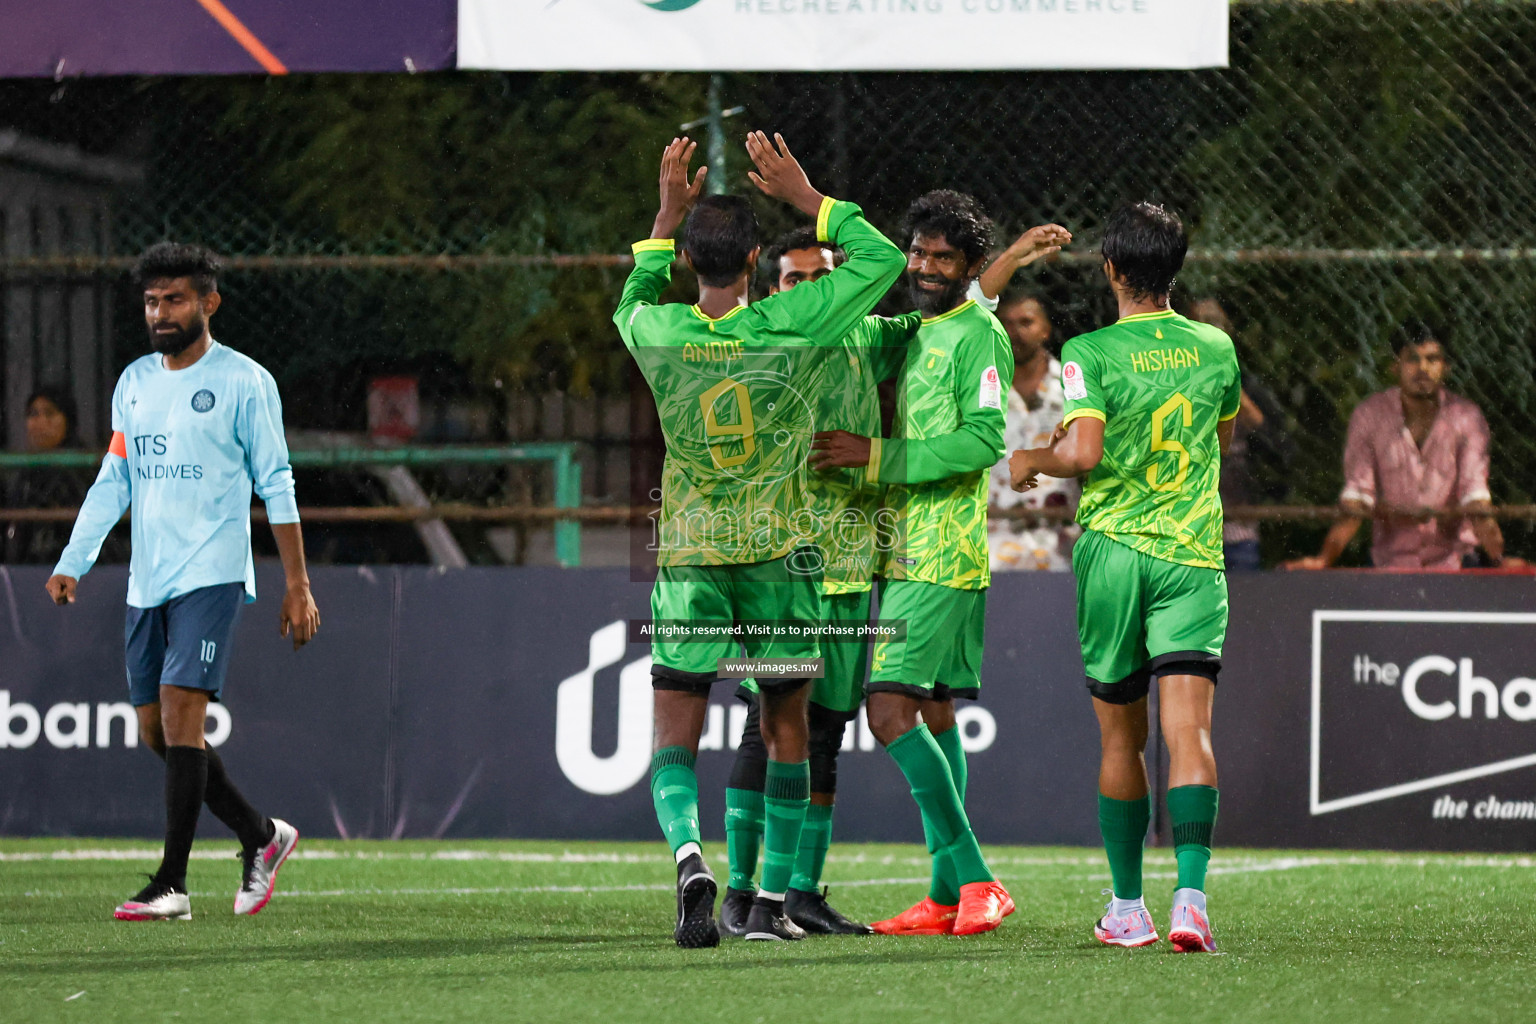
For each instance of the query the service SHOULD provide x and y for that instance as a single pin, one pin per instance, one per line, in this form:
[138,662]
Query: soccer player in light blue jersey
[196,428]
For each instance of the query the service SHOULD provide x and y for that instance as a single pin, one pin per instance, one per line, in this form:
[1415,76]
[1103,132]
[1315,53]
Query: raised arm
[824,310]
[654,255]
[1032,245]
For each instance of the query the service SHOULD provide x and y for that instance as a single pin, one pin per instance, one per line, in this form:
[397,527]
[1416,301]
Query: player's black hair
[720,234]
[954,215]
[1146,243]
[803,237]
[1414,333]
[178,259]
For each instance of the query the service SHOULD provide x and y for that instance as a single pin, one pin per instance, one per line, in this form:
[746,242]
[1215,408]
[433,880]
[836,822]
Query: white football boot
[1190,931]
[1130,928]
[156,902]
[259,878]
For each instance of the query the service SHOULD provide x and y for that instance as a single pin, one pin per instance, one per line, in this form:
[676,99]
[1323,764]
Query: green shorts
[845,659]
[725,595]
[1139,617]
[940,659]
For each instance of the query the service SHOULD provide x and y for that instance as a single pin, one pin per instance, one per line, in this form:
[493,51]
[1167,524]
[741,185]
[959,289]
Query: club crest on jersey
[1073,387]
[991,394]
[202,401]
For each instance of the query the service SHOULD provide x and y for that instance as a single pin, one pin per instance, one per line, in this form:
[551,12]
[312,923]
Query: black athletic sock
[229,805]
[186,781]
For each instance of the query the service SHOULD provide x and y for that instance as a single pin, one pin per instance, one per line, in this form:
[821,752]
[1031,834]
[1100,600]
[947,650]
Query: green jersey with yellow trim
[1160,383]
[852,507]
[737,396]
[949,434]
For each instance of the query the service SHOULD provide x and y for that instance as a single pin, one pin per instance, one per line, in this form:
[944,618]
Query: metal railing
[563,456]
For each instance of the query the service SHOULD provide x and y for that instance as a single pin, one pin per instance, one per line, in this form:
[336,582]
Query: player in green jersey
[733,386]
[1150,404]
[849,511]
[949,433]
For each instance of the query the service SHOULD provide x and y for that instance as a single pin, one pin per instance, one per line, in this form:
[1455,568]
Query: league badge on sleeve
[1073,387]
[991,395]
[202,401]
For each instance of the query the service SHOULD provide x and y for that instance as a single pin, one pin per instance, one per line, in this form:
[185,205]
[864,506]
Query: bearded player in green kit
[1150,405]
[734,385]
[948,435]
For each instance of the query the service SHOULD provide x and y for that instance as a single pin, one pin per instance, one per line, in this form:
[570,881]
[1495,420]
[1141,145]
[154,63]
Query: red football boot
[926,918]
[983,905]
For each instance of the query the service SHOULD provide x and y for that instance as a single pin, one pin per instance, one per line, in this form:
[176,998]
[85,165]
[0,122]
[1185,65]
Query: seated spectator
[1035,407]
[1416,463]
[50,425]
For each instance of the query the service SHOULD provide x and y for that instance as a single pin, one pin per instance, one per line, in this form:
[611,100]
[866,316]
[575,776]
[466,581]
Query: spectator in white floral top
[1035,407]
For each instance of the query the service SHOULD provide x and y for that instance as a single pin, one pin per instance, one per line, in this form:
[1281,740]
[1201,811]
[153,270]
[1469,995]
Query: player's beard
[931,303]
[174,343]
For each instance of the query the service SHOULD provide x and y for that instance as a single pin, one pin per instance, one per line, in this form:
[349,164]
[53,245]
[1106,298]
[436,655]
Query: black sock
[229,805]
[186,781]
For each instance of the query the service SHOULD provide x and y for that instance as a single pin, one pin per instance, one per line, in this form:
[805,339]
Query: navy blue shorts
[184,642]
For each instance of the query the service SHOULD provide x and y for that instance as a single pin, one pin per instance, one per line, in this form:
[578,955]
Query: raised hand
[1037,242]
[678,194]
[780,175]
[1028,247]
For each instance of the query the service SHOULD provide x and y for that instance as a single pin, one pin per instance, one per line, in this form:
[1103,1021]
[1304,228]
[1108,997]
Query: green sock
[815,837]
[1123,824]
[743,834]
[785,799]
[1192,809]
[675,792]
[923,763]
[954,754]
[944,886]
[943,889]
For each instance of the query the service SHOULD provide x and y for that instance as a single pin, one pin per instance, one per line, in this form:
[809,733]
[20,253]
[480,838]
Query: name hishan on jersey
[1160,383]
[189,447]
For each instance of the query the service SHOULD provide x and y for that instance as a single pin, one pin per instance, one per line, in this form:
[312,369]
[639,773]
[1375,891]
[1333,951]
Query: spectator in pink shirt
[1416,464]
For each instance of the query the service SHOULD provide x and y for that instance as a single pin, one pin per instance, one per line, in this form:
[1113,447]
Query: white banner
[841,35]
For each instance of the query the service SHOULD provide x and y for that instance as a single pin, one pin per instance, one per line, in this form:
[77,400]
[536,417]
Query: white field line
[1224,864]
[1242,865]
[576,890]
[508,856]
[228,853]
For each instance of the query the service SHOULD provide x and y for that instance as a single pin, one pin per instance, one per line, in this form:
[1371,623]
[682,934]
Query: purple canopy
[67,38]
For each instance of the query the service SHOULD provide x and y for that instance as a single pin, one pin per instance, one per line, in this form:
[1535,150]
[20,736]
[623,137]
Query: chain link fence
[1359,164]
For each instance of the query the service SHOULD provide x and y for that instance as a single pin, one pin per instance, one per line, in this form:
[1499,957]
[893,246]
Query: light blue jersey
[188,448]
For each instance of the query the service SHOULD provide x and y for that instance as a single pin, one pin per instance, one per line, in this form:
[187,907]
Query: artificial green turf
[561,932]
